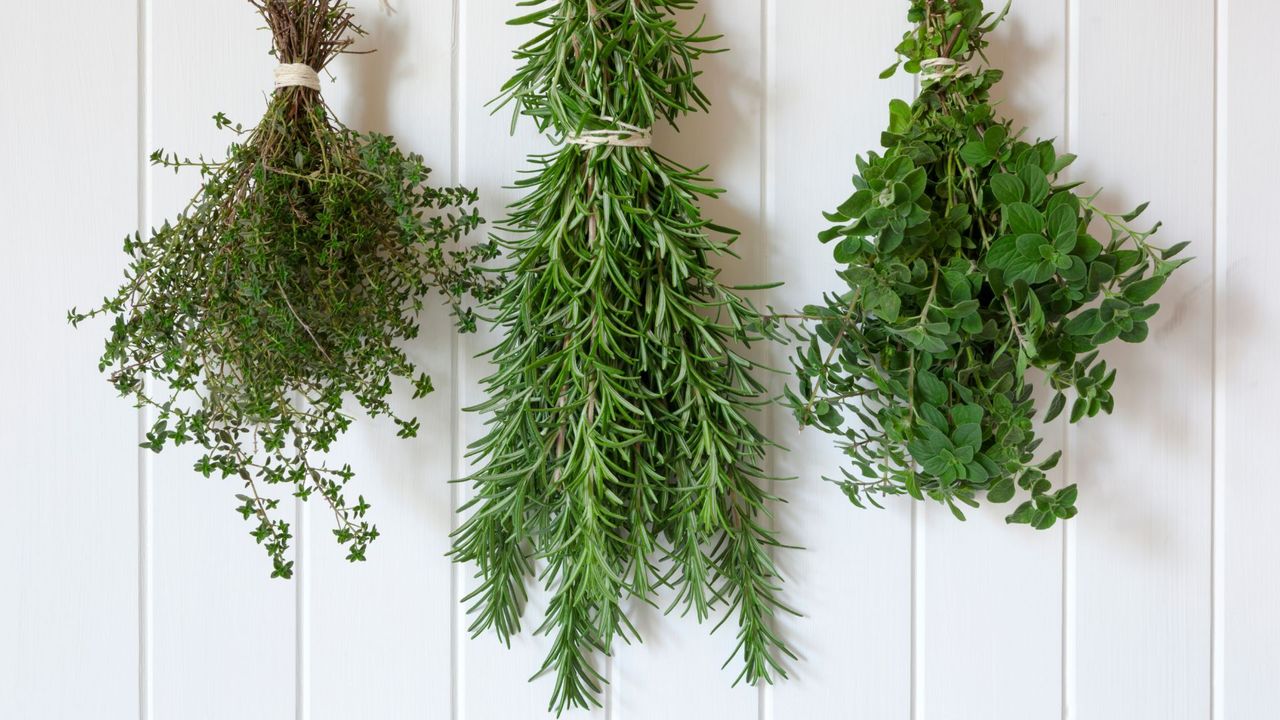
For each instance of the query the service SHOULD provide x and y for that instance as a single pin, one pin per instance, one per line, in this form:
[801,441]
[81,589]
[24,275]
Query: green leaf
[1063,221]
[1137,334]
[976,154]
[1002,252]
[899,116]
[1002,491]
[1086,324]
[1022,218]
[1063,162]
[1023,515]
[1007,189]
[1144,290]
[916,183]
[931,388]
[1136,213]
[968,435]
[1078,410]
[857,205]
[967,414]
[1033,178]
[1100,274]
[1056,407]
[848,250]
[994,139]
[884,302]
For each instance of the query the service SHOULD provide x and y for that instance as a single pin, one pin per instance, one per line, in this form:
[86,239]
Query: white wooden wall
[131,590]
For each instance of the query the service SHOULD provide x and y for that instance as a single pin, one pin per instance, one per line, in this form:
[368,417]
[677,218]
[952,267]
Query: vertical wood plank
[678,658]
[852,581]
[376,636]
[1145,130]
[993,592]
[70,183]
[223,630]
[494,680]
[1248,252]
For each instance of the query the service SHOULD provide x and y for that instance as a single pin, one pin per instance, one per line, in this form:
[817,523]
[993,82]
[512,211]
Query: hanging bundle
[287,284]
[621,457]
[968,261]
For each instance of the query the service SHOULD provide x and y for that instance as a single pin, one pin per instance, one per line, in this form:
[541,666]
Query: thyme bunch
[286,285]
[967,261]
[621,456]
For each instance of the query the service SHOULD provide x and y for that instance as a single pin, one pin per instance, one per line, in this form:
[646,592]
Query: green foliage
[286,285]
[968,261]
[621,456]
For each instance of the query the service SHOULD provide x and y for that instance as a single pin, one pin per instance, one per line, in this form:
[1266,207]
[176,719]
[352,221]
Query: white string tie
[297,75]
[624,135]
[938,68]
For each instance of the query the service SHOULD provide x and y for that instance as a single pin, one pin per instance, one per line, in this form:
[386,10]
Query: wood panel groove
[1219,324]
[145,536]
[457,625]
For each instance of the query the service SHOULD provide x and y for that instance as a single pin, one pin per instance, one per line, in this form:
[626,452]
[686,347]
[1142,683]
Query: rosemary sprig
[621,456]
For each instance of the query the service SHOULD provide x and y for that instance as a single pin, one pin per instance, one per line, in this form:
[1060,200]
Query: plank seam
[457,657]
[1217,538]
[144,469]
[917,582]
[302,613]
[1070,108]
[766,695]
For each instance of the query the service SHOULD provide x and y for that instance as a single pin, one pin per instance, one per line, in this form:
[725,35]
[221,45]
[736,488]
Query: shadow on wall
[1011,51]
[367,107]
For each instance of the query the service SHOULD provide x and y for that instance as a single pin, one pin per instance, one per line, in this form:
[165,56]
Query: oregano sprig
[968,260]
[285,286]
[621,455]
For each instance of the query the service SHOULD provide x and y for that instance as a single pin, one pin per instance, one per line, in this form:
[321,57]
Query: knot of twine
[303,75]
[938,68]
[621,135]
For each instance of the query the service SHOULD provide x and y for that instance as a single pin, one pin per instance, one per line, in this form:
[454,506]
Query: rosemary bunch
[967,261]
[285,286]
[621,456]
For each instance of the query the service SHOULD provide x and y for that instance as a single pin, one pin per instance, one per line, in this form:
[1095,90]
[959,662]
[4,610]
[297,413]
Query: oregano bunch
[286,287]
[621,456]
[968,261]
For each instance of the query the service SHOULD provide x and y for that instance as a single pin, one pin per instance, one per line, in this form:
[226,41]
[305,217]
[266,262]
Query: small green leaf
[1022,218]
[1144,290]
[1056,407]
[1007,189]
[976,154]
[899,116]
[931,388]
[1002,492]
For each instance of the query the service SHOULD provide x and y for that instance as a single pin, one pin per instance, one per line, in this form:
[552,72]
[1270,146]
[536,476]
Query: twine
[297,75]
[938,68]
[624,135]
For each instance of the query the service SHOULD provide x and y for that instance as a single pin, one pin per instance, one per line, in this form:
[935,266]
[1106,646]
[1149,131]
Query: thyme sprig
[968,260]
[621,455]
[287,284]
